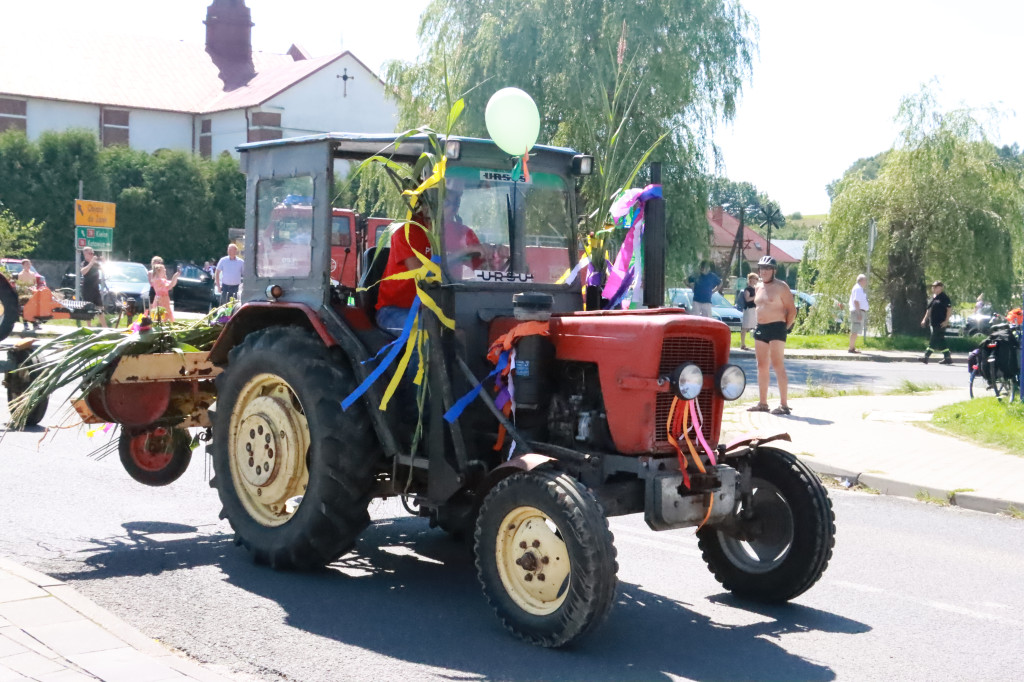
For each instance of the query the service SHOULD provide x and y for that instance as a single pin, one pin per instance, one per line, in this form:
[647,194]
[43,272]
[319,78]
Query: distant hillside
[799,228]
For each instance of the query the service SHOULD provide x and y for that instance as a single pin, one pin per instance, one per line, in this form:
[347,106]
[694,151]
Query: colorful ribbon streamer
[628,212]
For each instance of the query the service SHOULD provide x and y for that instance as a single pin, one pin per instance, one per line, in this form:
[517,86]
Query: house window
[13,114]
[265,125]
[206,138]
[114,127]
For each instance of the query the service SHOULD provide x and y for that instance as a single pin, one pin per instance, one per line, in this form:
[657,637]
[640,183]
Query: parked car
[120,280]
[194,289]
[721,309]
[980,323]
[804,303]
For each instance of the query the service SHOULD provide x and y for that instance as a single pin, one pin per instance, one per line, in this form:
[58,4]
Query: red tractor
[604,400]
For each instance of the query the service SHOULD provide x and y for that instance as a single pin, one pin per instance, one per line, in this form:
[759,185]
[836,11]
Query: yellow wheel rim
[533,561]
[268,442]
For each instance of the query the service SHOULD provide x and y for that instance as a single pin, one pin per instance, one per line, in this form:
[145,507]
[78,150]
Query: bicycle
[997,361]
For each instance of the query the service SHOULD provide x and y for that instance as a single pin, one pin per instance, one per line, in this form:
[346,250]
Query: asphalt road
[876,377]
[914,592]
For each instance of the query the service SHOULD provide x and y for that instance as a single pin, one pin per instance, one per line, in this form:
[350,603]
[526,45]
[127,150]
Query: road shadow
[813,421]
[412,593]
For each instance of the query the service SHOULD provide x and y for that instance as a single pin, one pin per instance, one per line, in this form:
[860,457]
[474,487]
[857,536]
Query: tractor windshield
[497,230]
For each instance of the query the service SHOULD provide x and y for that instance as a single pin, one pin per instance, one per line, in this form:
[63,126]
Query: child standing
[162,288]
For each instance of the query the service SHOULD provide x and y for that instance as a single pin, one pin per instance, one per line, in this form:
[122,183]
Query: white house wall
[152,130]
[44,115]
[227,131]
[317,104]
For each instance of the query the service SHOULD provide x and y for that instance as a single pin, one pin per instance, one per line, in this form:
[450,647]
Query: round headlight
[687,381]
[731,381]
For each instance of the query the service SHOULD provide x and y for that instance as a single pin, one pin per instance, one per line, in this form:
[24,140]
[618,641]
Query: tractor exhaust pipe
[655,243]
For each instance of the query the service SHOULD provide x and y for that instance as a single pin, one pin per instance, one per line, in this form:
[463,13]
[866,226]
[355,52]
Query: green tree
[16,238]
[946,207]
[19,173]
[65,159]
[610,77]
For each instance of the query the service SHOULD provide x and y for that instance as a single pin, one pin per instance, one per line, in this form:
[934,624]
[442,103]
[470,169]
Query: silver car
[721,309]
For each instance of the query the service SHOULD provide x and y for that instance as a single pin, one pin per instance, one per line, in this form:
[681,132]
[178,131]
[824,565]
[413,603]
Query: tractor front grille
[675,350]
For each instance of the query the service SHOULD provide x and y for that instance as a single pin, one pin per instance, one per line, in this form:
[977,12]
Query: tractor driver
[396,296]
[462,246]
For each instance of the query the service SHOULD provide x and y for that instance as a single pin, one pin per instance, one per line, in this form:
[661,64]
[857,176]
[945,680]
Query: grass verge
[986,421]
[908,387]
[870,343]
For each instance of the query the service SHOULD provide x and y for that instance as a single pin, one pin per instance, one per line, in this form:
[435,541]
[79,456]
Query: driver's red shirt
[402,292]
[458,236]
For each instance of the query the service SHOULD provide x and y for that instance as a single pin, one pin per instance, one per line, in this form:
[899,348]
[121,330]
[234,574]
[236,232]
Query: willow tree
[610,77]
[946,206]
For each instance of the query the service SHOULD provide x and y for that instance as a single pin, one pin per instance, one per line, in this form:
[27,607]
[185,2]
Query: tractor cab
[502,233]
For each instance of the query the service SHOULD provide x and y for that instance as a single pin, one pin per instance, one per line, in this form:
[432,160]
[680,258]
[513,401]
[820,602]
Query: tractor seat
[373,270]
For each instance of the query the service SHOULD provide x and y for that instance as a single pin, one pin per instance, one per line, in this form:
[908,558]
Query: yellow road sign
[94,213]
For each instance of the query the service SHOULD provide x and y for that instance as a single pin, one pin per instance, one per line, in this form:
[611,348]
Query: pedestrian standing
[158,280]
[776,313]
[858,312]
[90,274]
[228,275]
[979,305]
[153,262]
[937,316]
[703,286]
[749,322]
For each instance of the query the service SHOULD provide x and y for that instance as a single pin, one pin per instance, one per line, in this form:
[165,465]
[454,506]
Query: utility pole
[78,253]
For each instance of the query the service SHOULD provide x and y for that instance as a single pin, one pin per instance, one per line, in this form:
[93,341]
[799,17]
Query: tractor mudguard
[753,441]
[527,462]
[258,315]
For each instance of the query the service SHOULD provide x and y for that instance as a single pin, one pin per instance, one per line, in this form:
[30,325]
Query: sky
[826,84]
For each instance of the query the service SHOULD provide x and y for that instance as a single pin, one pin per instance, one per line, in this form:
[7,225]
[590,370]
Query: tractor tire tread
[337,514]
[592,587]
[793,577]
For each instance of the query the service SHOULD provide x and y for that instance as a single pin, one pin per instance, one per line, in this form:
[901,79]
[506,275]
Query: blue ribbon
[459,407]
[397,346]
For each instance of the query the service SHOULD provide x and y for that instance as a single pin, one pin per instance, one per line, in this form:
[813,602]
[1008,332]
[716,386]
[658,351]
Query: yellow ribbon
[429,271]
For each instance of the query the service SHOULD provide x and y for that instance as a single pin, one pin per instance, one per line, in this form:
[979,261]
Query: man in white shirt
[228,275]
[858,312]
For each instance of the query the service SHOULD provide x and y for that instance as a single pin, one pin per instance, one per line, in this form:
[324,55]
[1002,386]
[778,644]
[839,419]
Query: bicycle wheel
[1005,387]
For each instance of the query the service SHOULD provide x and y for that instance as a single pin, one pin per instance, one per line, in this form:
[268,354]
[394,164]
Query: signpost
[94,213]
[97,238]
[94,228]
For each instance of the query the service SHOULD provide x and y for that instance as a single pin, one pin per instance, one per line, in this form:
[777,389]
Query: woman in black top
[937,315]
[91,282]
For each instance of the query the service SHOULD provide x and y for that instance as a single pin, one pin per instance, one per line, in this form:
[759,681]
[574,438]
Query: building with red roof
[723,236]
[151,94]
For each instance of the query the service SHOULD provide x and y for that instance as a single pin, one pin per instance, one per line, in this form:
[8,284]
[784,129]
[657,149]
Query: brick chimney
[716,215]
[229,30]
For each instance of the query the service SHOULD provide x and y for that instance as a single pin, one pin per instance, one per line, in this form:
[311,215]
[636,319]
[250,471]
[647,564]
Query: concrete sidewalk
[49,632]
[877,440]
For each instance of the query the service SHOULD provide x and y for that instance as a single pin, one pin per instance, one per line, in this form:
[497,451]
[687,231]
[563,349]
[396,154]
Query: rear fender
[258,315]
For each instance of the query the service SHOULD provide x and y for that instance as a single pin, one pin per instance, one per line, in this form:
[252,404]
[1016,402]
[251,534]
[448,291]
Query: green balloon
[513,121]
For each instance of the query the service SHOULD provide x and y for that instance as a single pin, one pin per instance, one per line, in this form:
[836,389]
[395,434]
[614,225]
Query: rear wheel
[545,558]
[9,308]
[293,470]
[779,547]
[1005,387]
[18,381]
[156,456]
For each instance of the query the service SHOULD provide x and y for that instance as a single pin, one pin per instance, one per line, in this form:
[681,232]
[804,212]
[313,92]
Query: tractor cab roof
[360,146]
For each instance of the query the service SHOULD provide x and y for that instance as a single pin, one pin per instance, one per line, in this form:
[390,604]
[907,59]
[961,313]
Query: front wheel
[293,470]
[779,547]
[545,558]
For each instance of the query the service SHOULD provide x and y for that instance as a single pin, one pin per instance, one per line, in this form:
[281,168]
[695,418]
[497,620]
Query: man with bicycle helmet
[776,313]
